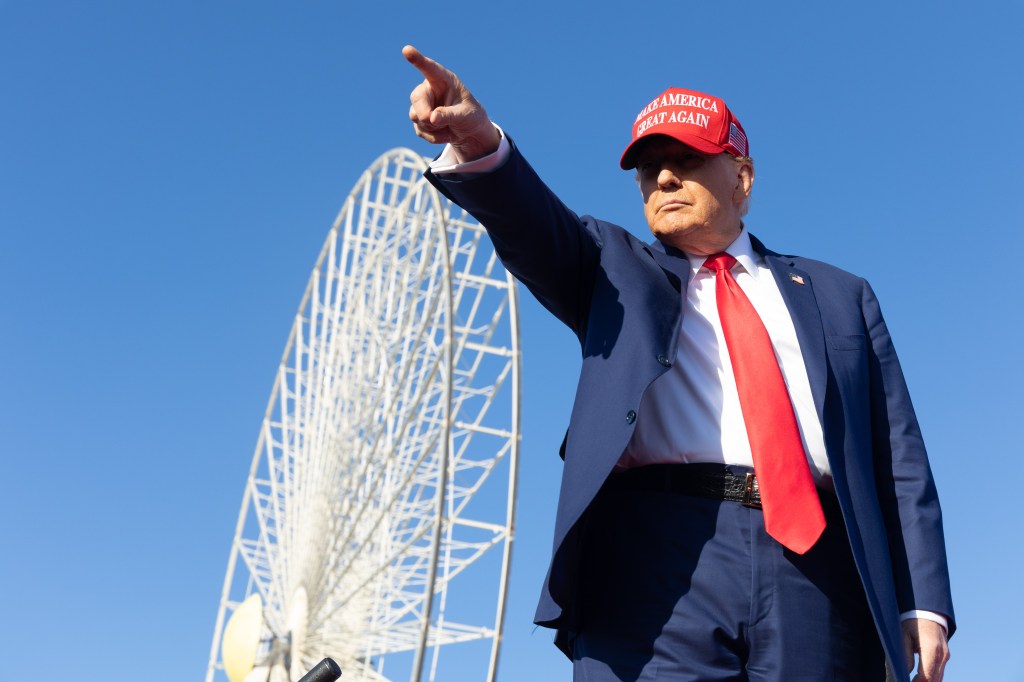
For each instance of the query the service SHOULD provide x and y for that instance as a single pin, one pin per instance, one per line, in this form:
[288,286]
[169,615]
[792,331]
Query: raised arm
[541,242]
[444,111]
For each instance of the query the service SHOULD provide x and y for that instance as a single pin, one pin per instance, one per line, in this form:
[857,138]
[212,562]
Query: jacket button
[664,361]
[630,417]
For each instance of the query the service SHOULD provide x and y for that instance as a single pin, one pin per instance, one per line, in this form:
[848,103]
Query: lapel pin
[796,278]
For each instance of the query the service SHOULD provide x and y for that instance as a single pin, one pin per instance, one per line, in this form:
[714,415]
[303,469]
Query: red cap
[695,119]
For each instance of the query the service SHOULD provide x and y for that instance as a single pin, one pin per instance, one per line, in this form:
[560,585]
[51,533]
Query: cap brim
[628,160]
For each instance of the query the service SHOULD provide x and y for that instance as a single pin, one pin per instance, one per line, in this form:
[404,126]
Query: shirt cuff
[447,163]
[926,615]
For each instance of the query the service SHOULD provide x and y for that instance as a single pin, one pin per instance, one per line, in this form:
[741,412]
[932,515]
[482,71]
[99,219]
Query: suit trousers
[681,588]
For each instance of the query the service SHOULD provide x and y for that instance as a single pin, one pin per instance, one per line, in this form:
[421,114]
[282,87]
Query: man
[745,494]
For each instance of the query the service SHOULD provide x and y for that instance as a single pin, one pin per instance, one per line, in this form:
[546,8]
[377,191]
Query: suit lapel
[673,262]
[666,299]
[798,293]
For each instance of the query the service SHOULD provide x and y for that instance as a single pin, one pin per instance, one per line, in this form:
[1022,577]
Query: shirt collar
[741,249]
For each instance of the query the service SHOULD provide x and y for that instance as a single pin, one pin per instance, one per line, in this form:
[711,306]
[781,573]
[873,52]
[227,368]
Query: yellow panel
[242,638]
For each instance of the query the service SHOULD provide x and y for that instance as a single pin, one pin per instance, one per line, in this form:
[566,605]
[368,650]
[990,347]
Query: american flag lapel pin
[796,278]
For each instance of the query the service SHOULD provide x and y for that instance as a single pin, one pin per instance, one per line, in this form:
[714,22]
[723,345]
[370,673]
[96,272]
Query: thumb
[909,648]
[451,115]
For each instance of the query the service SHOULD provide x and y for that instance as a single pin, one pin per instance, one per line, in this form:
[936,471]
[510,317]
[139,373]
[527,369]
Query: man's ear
[744,180]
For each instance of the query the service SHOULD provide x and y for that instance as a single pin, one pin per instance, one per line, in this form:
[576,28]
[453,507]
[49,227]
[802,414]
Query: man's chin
[678,236]
[695,240]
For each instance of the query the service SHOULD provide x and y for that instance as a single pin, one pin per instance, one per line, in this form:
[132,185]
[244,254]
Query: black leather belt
[714,481]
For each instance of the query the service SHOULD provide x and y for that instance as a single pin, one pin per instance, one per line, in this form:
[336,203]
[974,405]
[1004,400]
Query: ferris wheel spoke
[386,509]
[374,443]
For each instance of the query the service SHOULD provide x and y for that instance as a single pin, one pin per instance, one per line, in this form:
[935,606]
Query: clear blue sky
[168,171]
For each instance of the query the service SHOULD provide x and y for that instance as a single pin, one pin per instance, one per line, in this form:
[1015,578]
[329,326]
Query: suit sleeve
[906,489]
[542,243]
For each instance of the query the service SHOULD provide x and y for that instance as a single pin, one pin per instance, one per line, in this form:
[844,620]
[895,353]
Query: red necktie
[792,510]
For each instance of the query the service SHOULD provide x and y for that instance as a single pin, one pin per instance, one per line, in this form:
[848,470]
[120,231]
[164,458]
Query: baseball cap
[696,119]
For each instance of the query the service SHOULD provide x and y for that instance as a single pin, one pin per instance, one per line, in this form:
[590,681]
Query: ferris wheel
[377,519]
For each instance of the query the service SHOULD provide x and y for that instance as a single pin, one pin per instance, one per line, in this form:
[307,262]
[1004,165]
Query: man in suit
[746,495]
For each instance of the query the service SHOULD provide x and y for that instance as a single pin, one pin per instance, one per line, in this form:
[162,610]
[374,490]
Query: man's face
[692,201]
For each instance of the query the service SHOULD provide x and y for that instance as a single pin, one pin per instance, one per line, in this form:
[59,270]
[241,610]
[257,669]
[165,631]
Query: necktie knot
[720,261]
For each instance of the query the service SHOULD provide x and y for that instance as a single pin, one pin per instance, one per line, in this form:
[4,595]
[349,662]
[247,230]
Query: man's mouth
[672,205]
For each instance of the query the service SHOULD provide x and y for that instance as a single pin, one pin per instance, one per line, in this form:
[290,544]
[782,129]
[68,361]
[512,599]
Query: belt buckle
[749,488]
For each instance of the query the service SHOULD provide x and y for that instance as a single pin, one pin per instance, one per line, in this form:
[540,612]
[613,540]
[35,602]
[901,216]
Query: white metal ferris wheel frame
[396,399]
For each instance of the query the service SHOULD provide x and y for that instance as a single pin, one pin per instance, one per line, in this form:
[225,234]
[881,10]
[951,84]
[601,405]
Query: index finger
[436,75]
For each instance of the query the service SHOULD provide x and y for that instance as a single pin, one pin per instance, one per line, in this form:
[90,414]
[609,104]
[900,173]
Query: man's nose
[667,177]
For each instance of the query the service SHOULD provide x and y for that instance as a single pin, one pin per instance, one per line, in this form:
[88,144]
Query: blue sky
[168,171]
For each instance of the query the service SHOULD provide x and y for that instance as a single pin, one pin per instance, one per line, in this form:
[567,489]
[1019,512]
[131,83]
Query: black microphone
[324,671]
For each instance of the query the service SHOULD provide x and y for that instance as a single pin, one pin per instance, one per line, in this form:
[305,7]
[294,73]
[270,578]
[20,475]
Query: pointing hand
[443,111]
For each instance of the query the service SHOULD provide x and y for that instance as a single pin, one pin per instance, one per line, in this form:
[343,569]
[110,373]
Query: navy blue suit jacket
[621,297]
